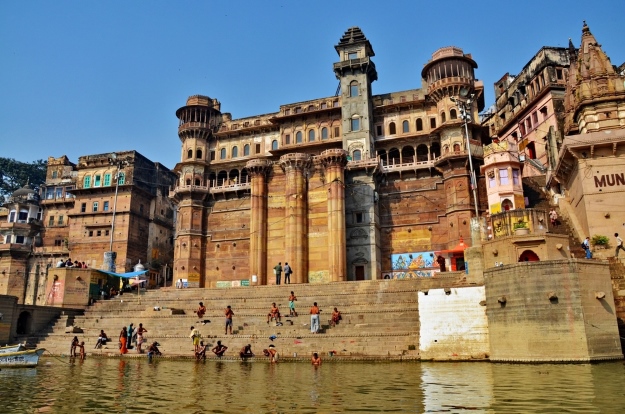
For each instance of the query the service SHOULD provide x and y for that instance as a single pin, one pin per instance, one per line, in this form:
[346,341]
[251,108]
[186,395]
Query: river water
[115,385]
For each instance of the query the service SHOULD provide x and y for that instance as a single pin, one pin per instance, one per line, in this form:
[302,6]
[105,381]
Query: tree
[16,174]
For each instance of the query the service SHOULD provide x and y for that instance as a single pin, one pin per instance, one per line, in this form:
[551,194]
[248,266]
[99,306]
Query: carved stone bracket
[297,161]
[334,156]
[258,167]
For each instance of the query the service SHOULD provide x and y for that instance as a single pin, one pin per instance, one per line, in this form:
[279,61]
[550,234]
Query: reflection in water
[456,386]
[180,387]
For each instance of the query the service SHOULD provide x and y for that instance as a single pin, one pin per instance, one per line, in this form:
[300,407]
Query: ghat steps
[380,318]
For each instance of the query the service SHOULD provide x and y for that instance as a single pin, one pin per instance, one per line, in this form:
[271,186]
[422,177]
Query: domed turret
[449,73]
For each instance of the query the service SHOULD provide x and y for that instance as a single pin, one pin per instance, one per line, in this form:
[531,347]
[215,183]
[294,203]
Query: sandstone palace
[354,186]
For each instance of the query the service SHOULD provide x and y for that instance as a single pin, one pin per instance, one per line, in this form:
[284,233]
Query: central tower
[356,72]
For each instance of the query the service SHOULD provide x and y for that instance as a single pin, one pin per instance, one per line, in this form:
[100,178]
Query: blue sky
[88,77]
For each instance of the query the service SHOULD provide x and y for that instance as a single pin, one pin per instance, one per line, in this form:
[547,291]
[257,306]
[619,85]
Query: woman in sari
[123,338]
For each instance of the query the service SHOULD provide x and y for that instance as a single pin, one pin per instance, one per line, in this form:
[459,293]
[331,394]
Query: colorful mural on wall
[411,265]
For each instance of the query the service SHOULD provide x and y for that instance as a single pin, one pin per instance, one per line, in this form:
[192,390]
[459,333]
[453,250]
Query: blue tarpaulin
[124,275]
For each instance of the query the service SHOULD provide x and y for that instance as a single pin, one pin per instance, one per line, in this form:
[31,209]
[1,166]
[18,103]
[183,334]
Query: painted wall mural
[411,265]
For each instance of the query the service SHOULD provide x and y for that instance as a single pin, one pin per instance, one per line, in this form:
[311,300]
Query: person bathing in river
[220,349]
[246,352]
[72,348]
[316,359]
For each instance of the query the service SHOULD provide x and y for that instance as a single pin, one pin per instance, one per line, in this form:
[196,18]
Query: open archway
[529,256]
[24,323]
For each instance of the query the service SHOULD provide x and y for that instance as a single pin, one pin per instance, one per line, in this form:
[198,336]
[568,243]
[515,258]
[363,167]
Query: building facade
[355,186]
[20,233]
[105,202]
[589,170]
[528,109]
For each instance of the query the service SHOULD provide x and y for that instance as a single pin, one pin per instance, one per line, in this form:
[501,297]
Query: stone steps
[380,318]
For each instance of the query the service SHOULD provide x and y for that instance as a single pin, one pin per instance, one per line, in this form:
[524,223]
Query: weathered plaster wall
[527,326]
[453,324]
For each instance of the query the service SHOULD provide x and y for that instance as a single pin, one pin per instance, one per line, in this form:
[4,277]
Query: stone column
[296,205]
[257,169]
[335,161]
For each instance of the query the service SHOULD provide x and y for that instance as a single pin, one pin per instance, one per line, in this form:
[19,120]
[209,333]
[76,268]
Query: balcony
[413,165]
[229,185]
[188,188]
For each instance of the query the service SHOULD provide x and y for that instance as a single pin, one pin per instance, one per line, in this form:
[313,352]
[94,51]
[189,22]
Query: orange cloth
[123,349]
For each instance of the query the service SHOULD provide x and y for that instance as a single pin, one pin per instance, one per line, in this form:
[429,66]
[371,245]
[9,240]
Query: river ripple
[180,387]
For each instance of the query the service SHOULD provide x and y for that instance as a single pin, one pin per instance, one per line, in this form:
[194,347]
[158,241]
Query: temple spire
[592,80]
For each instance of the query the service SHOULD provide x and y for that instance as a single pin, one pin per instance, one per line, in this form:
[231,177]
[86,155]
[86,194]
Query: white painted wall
[453,325]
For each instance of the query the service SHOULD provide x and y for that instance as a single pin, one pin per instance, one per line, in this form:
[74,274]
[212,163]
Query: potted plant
[521,228]
[600,242]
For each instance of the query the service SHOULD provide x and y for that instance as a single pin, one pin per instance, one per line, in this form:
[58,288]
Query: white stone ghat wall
[453,324]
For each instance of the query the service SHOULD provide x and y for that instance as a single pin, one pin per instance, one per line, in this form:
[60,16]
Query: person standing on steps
[619,244]
[278,272]
[130,332]
[140,331]
[292,300]
[586,247]
[123,341]
[229,314]
[287,273]
[195,337]
[314,318]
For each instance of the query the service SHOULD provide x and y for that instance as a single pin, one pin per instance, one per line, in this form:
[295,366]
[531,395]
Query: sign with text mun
[609,180]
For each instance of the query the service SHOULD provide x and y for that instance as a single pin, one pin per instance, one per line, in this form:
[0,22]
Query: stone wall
[561,310]
[7,310]
[453,324]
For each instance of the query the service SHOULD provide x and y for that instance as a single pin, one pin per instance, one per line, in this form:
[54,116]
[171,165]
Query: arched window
[311,135]
[456,147]
[298,137]
[188,181]
[443,118]
[87,181]
[391,128]
[246,150]
[121,178]
[419,124]
[355,124]
[190,153]
[357,156]
[197,181]
[446,149]
[198,153]
[274,144]
[235,152]
[222,154]
[353,89]
[324,133]
[404,127]
[453,114]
